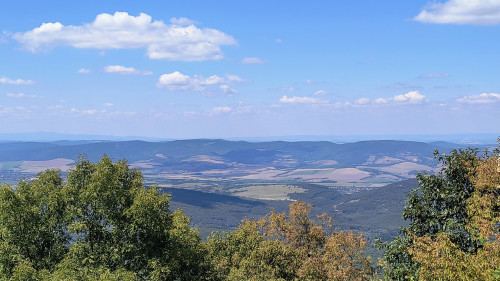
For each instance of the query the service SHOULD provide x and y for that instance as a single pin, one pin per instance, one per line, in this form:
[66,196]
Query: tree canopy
[454,219]
[101,224]
[289,246]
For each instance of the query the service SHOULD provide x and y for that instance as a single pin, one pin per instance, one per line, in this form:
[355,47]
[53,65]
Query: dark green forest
[101,222]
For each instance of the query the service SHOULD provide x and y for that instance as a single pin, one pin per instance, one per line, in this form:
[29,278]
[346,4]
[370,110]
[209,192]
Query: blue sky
[204,69]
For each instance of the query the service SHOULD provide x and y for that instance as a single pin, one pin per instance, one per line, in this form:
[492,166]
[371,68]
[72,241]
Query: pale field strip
[205,158]
[189,186]
[267,192]
[405,169]
[331,174]
[61,164]
[322,174]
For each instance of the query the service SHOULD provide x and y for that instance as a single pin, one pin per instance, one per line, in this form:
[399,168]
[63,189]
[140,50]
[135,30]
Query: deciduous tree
[101,224]
[440,258]
[454,218]
[289,247]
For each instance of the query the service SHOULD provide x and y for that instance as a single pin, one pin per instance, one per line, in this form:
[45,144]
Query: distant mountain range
[222,152]
[478,139]
[238,151]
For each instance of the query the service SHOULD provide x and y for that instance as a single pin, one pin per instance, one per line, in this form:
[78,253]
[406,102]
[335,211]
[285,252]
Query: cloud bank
[294,99]
[21,95]
[5,80]
[413,97]
[222,109]
[181,41]
[176,81]
[482,98]
[477,12]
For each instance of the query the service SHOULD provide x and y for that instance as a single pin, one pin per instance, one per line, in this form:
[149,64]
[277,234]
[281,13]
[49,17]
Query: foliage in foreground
[455,219]
[103,224]
[289,247]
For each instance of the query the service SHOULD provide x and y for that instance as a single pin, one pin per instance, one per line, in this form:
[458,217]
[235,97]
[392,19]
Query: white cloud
[99,114]
[182,21]
[83,70]
[222,109]
[482,98]
[413,97]
[294,99]
[214,79]
[5,80]
[120,114]
[125,70]
[478,12]
[108,104]
[123,31]
[234,78]
[362,101]
[177,81]
[253,61]
[228,90]
[433,75]
[320,93]
[21,95]
[174,80]
[18,111]
[84,112]
[381,101]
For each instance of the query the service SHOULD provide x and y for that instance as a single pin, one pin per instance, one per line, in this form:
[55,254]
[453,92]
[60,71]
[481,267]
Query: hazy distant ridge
[236,151]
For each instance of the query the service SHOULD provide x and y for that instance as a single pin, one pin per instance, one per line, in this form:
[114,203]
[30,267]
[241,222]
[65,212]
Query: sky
[227,69]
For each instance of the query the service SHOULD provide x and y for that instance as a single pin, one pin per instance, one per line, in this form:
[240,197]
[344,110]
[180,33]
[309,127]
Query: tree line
[102,223]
